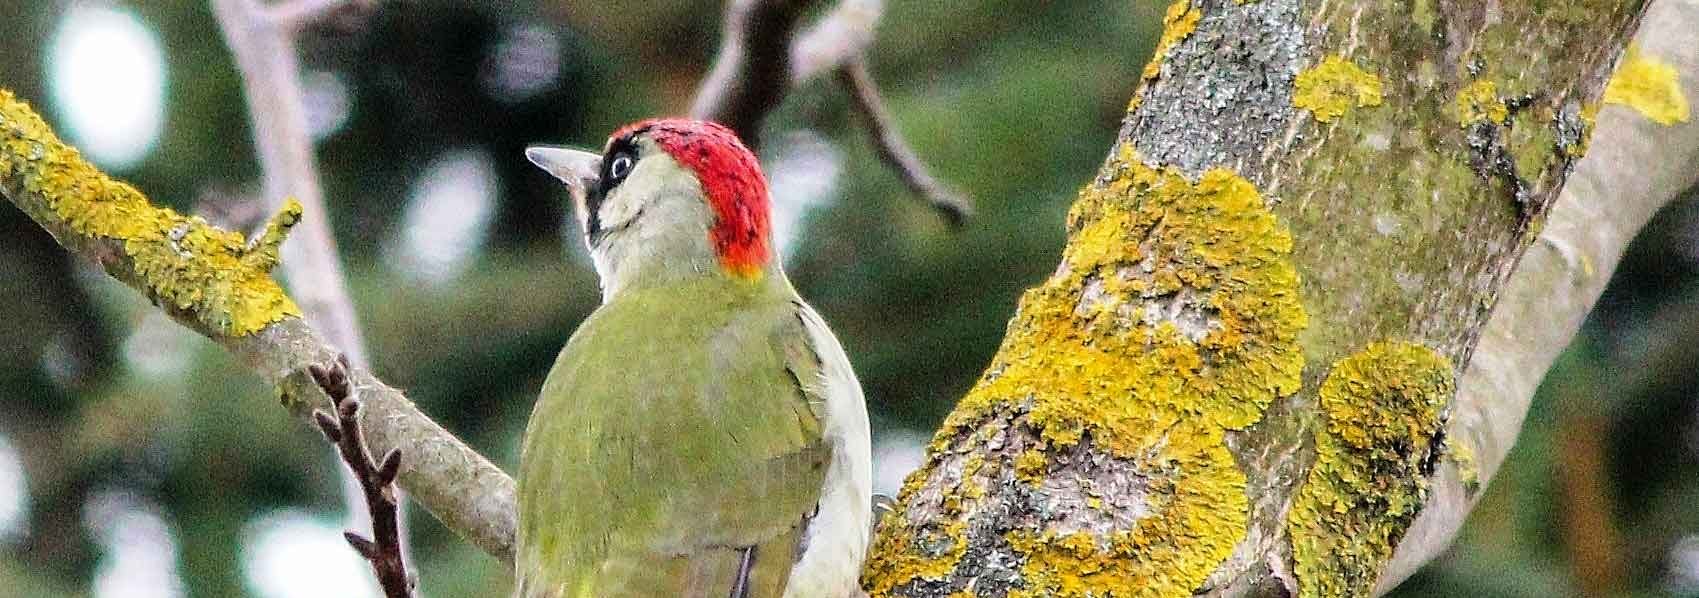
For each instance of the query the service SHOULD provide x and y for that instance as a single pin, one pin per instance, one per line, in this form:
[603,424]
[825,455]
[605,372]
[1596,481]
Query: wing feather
[835,540]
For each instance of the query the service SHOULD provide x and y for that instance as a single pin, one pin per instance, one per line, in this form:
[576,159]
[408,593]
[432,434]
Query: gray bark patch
[1225,91]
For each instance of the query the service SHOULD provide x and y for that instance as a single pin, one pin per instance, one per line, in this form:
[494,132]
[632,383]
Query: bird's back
[674,450]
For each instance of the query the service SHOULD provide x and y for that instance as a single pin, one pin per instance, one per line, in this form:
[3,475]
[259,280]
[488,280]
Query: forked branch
[383,549]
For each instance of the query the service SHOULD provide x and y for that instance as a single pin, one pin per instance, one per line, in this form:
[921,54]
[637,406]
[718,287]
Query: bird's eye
[620,166]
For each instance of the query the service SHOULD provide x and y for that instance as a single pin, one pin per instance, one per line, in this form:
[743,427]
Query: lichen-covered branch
[1242,378]
[1640,159]
[218,283]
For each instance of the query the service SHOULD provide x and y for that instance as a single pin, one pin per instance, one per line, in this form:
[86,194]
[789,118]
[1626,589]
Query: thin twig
[955,206]
[377,480]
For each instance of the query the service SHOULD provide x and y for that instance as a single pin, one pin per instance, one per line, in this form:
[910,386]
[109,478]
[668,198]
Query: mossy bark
[1639,162]
[1239,379]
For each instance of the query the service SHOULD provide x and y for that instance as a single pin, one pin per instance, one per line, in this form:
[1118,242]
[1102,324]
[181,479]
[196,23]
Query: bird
[702,433]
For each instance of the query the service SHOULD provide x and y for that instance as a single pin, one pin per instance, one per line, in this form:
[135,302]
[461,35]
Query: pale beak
[577,168]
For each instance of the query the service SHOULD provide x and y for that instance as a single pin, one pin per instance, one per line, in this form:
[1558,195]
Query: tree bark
[1635,166]
[1242,378]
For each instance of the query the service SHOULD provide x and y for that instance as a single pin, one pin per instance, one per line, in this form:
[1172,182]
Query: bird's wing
[835,540]
[684,464]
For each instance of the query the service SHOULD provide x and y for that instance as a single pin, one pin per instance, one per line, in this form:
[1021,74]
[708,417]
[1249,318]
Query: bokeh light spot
[14,493]
[106,74]
[277,547]
[139,548]
[448,214]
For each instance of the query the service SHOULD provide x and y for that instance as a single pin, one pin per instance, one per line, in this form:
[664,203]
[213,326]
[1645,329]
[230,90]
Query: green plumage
[675,431]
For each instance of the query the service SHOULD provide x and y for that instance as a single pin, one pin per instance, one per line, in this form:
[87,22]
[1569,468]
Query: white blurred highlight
[448,216]
[290,554]
[139,548]
[895,455]
[802,174]
[107,79]
[159,348]
[1682,577]
[325,97]
[525,63]
[14,494]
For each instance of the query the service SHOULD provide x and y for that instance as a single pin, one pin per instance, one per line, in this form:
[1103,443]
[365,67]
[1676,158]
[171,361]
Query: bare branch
[383,550]
[752,73]
[295,14]
[760,62]
[955,206]
[841,36]
[762,58]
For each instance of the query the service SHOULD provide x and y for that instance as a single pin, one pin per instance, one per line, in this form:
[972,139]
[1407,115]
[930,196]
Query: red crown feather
[730,176]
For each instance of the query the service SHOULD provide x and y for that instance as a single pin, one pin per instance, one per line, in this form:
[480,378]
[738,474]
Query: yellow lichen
[1181,20]
[1328,89]
[187,266]
[1650,86]
[1533,146]
[1081,564]
[1030,466]
[1383,410]
[897,569]
[1462,455]
[903,552]
[1479,102]
[1173,320]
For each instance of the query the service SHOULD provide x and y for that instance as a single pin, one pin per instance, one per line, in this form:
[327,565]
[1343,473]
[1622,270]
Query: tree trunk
[1240,377]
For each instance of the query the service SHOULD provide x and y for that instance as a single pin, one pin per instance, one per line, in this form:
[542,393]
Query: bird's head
[667,199]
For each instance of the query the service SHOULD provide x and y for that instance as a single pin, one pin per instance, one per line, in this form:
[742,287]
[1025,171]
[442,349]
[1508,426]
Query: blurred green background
[136,460]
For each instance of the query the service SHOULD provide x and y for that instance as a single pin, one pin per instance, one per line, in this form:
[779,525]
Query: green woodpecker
[702,433]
